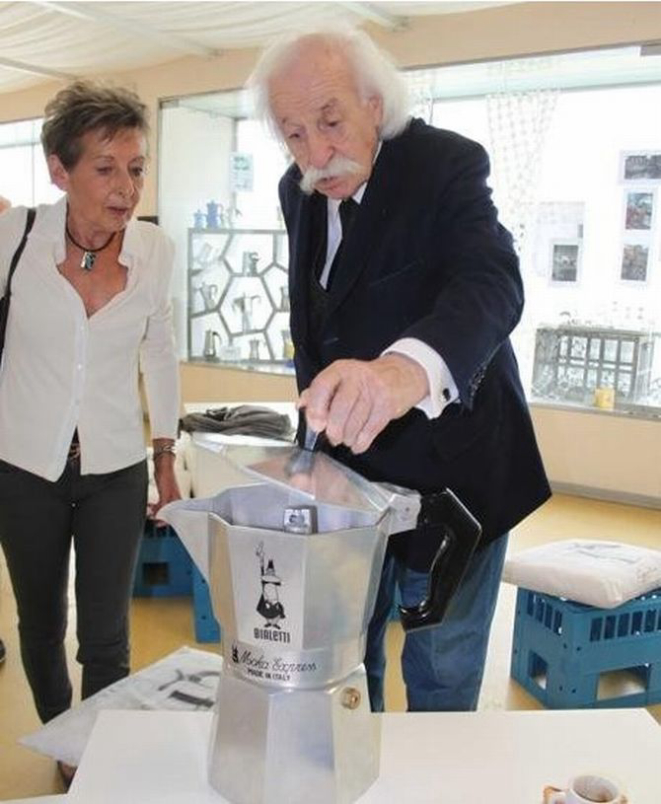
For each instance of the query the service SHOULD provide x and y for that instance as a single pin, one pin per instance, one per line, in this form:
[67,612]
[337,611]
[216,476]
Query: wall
[584,451]
[601,455]
[220,385]
[191,180]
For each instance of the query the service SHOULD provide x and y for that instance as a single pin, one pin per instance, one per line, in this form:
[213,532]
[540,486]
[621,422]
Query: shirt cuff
[442,387]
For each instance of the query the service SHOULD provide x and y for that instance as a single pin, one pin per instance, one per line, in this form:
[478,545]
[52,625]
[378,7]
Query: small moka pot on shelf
[293,559]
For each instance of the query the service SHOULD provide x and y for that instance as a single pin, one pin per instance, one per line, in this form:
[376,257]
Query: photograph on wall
[242,172]
[557,223]
[641,166]
[639,207]
[565,257]
[635,260]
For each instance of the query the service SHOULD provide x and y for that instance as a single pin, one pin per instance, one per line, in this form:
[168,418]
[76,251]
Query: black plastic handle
[459,534]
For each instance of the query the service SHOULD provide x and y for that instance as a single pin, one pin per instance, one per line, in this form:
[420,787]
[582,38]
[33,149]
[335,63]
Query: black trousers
[103,517]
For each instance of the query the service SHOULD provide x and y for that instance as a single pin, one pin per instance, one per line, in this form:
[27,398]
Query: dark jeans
[103,516]
[442,666]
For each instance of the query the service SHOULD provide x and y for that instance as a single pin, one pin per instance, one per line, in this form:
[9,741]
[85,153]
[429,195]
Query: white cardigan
[62,370]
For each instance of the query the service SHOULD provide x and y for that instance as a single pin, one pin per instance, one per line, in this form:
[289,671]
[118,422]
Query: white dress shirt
[61,370]
[442,387]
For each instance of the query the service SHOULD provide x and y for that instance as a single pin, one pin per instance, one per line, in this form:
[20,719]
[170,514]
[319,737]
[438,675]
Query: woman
[89,303]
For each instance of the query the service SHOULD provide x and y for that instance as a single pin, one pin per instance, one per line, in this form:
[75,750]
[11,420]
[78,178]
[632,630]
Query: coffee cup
[604,398]
[588,789]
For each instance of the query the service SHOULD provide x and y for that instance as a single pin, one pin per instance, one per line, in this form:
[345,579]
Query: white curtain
[518,124]
[421,98]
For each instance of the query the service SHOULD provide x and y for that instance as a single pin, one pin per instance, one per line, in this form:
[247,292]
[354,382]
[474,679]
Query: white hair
[374,72]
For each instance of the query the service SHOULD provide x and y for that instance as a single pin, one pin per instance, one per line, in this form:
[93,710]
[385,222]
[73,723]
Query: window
[24,178]
[576,154]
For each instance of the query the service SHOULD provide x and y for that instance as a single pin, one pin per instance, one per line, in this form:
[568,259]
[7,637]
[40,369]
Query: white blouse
[61,370]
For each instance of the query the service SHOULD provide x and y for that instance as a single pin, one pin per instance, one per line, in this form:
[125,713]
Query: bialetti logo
[272,636]
[269,605]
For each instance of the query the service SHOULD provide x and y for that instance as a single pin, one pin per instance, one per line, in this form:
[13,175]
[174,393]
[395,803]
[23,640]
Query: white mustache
[338,166]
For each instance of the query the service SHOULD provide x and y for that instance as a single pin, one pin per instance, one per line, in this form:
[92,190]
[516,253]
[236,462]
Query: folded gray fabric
[249,420]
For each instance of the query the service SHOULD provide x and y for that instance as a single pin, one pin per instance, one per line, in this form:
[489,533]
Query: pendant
[88,260]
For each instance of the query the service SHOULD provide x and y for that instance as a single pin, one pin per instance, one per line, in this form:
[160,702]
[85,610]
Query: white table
[448,758]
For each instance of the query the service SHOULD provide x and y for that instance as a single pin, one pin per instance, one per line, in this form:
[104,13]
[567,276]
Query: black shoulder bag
[4,300]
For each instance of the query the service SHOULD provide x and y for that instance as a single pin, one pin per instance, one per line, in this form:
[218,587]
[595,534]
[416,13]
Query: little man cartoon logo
[269,605]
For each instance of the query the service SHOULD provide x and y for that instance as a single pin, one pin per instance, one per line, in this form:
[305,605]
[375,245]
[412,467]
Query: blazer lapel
[302,252]
[369,227]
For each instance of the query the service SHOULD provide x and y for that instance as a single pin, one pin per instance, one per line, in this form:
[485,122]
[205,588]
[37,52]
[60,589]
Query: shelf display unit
[238,304]
[571,362]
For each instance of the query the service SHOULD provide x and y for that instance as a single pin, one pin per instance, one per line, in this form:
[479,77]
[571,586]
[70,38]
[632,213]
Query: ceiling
[41,40]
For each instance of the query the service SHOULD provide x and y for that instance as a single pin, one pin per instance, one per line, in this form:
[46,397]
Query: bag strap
[14,262]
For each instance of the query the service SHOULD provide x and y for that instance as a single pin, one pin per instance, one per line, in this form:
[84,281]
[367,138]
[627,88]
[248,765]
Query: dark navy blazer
[426,258]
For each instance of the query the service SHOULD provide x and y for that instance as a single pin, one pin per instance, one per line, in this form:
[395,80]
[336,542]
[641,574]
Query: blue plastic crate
[560,649]
[164,567]
[207,628]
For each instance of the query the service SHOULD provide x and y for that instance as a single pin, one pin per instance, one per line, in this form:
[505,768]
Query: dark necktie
[348,209]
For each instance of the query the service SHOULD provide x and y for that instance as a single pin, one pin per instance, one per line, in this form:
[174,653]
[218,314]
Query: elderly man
[404,289]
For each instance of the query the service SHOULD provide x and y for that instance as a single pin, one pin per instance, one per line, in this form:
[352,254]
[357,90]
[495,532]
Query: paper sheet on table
[184,680]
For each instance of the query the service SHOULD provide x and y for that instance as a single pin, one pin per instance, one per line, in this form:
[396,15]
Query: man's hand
[353,400]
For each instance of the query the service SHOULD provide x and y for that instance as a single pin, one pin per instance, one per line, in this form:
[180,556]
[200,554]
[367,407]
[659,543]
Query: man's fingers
[360,410]
[302,400]
[375,424]
[357,419]
[317,397]
[346,403]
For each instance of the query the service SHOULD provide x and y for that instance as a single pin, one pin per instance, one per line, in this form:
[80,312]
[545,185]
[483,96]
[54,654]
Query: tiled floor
[160,625]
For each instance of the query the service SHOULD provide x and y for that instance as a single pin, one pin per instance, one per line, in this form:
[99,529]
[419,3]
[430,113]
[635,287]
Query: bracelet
[165,449]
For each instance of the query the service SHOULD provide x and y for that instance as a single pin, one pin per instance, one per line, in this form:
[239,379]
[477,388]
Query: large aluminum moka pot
[293,559]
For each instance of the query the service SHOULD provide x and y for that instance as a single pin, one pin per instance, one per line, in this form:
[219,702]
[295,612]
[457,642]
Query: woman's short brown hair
[88,106]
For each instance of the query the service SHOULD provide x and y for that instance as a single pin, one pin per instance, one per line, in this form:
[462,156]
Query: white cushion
[601,574]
